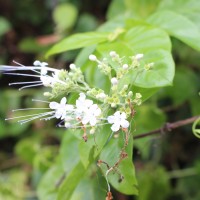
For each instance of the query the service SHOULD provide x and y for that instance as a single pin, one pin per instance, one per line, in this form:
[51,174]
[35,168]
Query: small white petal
[85,120]
[115,127]
[69,107]
[123,115]
[117,114]
[111,119]
[93,121]
[88,103]
[58,115]
[124,124]
[63,101]
[98,112]
[53,105]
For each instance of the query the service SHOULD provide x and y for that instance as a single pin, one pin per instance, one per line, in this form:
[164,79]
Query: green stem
[182,173]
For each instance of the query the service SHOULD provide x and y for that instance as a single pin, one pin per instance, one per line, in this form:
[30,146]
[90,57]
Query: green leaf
[47,188]
[91,149]
[27,149]
[153,183]
[4,26]
[142,8]
[73,149]
[69,150]
[185,86]
[116,8]
[110,154]
[178,26]
[83,56]
[30,45]
[144,38]
[187,8]
[86,22]
[65,16]
[160,75]
[77,41]
[90,187]
[195,105]
[145,92]
[71,181]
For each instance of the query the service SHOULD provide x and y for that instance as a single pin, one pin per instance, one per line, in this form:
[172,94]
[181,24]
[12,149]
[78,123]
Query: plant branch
[167,127]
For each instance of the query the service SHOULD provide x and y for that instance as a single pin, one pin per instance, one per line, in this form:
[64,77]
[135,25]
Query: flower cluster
[84,113]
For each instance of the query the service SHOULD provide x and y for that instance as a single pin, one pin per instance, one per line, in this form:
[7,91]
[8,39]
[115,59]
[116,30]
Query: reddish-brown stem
[167,127]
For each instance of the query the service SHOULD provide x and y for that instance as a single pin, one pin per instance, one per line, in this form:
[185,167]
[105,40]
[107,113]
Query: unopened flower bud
[138,95]
[113,105]
[92,131]
[101,96]
[125,87]
[125,66]
[151,64]
[130,94]
[72,66]
[114,81]
[71,74]
[47,94]
[139,56]
[113,54]
[92,57]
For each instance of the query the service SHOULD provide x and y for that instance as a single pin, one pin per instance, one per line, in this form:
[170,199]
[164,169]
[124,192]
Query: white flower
[61,108]
[118,120]
[86,111]
[82,104]
[91,115]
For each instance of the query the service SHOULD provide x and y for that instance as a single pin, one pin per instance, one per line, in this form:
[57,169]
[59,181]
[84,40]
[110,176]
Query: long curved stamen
[36,117]
[11,118]
[28,86]
[20,74]
[20,109]
[37,100]
[26,82]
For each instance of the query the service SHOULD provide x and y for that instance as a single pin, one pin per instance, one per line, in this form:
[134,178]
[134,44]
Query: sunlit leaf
[77,41]
[178,26]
